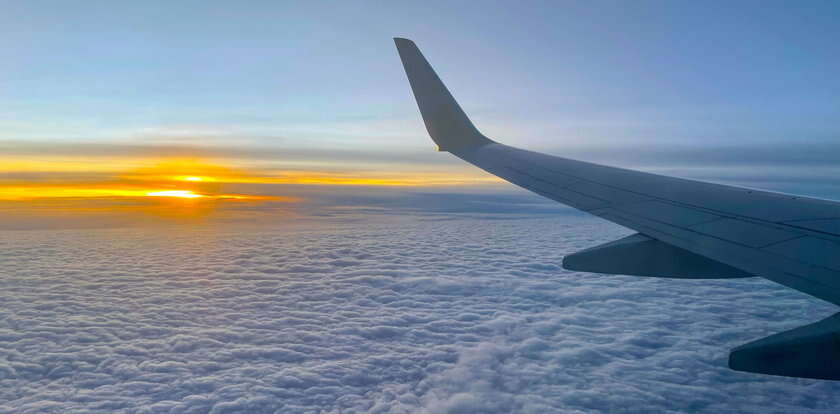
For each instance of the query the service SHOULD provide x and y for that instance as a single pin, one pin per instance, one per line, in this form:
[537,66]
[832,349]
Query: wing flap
[810,250]
[829,226]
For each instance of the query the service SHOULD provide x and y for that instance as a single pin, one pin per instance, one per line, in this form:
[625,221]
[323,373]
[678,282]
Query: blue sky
[752,71]
[627,83]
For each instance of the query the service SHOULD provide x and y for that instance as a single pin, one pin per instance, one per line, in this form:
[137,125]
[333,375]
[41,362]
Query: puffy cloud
[399,313]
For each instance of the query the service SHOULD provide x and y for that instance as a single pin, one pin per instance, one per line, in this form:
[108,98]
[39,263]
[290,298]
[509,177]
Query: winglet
[446,122]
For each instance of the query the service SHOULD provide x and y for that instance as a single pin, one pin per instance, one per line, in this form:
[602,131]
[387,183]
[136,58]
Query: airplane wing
[686,228]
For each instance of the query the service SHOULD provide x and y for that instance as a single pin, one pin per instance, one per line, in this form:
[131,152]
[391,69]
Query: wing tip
[404,42]
[447,124]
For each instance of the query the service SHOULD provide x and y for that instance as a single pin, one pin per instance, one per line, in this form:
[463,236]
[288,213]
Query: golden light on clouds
[174,193]
[40,191]
[178,178]
[44,177]
[43,189]
[53,190]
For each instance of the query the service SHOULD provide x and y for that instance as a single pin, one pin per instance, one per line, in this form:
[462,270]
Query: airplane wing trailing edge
[686,228]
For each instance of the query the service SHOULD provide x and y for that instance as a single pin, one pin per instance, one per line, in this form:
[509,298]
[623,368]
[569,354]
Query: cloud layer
[372,313]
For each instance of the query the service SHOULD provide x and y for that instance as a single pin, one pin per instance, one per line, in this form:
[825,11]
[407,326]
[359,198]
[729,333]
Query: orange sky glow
[67,186]
[72,190]
[24,179]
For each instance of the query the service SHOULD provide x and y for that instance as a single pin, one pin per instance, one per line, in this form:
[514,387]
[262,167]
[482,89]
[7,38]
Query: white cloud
[381,314]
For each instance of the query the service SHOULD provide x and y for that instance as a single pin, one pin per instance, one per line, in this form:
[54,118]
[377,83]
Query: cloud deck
[412,314]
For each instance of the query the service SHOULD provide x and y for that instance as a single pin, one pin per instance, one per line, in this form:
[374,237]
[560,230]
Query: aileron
[830,226]
[810,250]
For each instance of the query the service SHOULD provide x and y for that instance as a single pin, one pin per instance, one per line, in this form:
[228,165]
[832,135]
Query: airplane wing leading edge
[686,228]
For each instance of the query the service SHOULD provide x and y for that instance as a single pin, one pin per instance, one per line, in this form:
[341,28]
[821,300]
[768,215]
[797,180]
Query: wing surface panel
[745,232]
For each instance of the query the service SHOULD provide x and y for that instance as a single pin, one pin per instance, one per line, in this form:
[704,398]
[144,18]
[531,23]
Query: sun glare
[174,193]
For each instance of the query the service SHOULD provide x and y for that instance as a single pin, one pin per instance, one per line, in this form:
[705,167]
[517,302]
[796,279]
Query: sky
[109,102]
[233,207]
